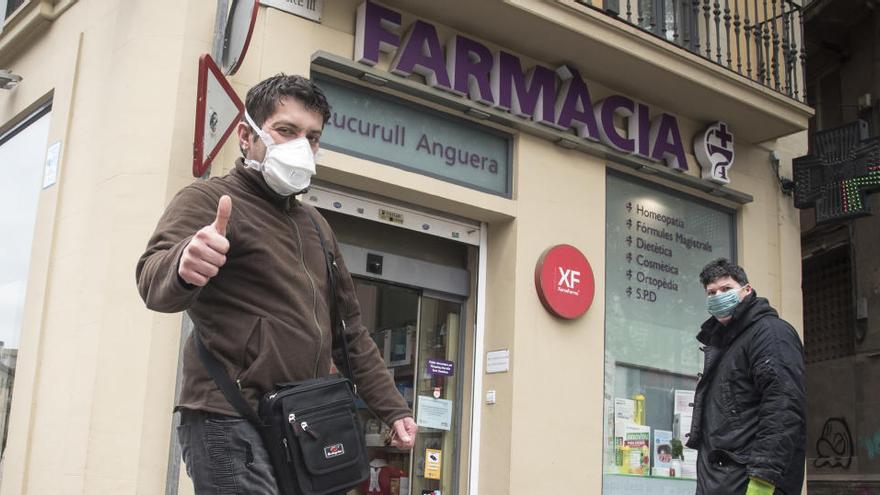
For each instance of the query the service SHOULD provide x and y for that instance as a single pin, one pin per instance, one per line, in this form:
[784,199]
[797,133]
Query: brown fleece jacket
[266,315]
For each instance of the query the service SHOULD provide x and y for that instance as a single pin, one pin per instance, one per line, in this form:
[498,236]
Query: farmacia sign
[557,98]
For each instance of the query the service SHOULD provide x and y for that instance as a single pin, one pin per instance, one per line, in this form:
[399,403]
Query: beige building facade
[111,87]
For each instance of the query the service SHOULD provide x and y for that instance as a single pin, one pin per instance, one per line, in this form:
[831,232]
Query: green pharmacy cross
[844,167]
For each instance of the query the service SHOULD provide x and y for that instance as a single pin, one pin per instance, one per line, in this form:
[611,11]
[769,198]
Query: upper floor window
[12,5]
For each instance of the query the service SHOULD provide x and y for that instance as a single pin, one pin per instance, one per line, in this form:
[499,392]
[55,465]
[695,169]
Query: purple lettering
[639,130]
[421,53]
[531,95]
[351,124]
[469,65]
[574,106]
[667,142]
[375,31]
[605,112]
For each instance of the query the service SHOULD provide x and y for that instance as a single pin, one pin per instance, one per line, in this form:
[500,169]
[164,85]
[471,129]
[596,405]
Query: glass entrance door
[418,333]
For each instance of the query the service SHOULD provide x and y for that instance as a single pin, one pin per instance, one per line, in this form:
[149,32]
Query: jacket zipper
[314,294]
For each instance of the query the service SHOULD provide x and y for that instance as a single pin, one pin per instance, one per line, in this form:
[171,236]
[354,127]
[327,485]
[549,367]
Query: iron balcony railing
[758,39]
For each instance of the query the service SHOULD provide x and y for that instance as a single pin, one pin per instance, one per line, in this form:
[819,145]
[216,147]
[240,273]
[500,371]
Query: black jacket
[749,407]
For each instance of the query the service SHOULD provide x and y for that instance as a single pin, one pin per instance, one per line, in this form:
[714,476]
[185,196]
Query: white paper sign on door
[434,413]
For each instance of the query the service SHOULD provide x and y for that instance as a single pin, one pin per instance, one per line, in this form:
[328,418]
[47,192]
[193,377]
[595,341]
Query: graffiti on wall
[871,444]
[834,449]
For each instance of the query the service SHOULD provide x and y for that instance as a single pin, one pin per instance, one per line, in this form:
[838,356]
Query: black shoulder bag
[310,428]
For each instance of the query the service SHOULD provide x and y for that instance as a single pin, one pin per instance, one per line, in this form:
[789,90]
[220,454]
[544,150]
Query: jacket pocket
[253,348]
[730,470]
[732,408]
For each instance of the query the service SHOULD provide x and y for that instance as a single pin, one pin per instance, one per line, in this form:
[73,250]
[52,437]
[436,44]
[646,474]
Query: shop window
[419,337]
[657,242]
[23,153]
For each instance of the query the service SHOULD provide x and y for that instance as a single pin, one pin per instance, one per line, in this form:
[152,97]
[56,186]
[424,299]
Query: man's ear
[243,131]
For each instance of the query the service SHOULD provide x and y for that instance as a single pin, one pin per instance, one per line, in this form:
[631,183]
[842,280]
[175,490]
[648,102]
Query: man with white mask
[749,418]
[244,258]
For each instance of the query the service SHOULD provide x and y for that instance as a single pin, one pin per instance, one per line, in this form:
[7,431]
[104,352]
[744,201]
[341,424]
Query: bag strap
[231,390]
[337,319]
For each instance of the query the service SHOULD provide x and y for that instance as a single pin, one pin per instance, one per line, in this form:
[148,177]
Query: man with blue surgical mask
[245,259]
[749,417]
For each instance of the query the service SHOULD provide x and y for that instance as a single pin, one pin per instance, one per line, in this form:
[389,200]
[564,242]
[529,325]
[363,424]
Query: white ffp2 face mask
[287,167]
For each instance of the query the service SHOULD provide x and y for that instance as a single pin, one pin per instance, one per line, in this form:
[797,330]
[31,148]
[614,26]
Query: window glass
[438,398]
[22,155]
[12,5]
[419,338]
[657,242]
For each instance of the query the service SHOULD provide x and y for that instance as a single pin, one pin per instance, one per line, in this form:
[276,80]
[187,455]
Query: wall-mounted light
[566,143]
[477,114]
[8,80]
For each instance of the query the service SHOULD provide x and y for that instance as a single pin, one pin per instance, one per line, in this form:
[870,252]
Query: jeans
[224,455]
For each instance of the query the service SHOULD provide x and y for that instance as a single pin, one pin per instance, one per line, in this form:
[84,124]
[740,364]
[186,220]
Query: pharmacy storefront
[458,111]
[525,239]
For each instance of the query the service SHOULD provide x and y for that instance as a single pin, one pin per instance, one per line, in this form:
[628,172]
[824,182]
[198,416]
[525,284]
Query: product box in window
[662,452]
[637,449]
[684,402]
[624,409]
[681,426]
[689,465]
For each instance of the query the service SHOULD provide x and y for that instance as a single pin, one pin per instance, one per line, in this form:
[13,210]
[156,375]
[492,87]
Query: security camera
[8,80]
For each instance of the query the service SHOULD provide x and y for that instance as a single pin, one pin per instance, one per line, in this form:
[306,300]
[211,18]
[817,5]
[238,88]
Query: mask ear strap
[267,139]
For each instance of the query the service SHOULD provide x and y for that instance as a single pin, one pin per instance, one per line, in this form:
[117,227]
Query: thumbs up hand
[206,252]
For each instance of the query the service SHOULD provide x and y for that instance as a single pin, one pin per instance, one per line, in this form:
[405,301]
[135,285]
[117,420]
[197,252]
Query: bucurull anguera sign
[556,98]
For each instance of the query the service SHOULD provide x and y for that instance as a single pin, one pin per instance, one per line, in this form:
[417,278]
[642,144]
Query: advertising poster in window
[657,243]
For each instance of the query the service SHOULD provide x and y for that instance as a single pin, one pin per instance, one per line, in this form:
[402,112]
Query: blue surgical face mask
[722,304]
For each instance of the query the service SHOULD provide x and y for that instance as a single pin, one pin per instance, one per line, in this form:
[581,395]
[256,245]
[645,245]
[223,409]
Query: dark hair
[720,268]
[664,449]
[262,99]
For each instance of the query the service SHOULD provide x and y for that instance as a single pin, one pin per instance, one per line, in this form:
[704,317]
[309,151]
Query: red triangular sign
[218,110]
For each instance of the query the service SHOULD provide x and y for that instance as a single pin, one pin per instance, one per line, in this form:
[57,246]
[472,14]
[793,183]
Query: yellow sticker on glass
[433,459]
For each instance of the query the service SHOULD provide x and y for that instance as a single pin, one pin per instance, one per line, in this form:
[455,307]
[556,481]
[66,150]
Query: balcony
[761,40]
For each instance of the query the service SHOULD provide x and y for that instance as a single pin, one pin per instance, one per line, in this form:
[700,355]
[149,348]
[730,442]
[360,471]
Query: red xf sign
[565,282]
